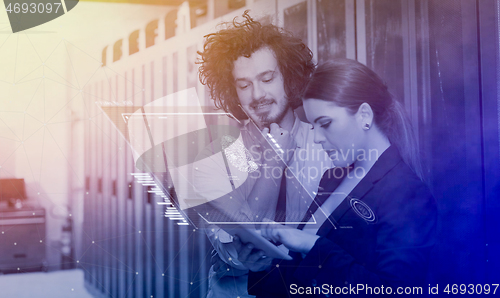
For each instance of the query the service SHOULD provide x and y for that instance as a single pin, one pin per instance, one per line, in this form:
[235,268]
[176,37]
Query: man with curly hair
[258,72]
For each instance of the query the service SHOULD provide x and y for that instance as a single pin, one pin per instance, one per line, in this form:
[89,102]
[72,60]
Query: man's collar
[296,126]
[296,132]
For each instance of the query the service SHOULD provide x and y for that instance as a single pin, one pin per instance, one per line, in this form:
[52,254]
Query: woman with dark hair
[372,225]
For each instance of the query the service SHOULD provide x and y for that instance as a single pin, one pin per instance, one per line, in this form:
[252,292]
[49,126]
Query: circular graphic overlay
[363,210]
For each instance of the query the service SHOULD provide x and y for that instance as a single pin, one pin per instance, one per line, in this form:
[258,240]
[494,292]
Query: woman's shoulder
[402,174]
[391,169]
[401,191]
[400,184]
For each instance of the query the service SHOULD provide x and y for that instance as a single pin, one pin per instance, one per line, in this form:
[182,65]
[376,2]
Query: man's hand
[293,239]
[222,269]
[284,139]
[253,259]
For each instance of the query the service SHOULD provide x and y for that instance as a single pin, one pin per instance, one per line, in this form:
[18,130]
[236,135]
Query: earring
[366,126]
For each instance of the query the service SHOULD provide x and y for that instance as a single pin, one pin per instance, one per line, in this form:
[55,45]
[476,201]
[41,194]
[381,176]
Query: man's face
[260,87]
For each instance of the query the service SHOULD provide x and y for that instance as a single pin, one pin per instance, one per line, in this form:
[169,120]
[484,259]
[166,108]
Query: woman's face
[340,133]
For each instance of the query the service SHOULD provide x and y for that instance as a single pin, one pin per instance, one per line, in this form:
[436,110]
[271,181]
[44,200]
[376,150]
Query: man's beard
[266,120]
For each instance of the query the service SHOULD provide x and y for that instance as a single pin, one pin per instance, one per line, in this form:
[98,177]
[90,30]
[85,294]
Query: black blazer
[385,229]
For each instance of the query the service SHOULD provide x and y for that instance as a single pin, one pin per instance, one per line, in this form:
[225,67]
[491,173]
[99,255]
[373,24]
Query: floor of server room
[57,284]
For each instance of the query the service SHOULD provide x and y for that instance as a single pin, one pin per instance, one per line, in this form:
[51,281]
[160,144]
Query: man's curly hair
[221,50]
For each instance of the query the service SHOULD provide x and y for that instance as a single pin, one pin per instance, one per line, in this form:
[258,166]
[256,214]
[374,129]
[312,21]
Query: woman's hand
[251,258]
[293,239]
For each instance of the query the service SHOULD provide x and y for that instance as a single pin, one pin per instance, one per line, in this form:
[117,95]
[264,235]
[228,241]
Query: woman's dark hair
[349,84]
[221,50]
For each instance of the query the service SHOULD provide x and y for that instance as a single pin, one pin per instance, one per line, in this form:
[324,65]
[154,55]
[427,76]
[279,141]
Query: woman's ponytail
[401,135]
